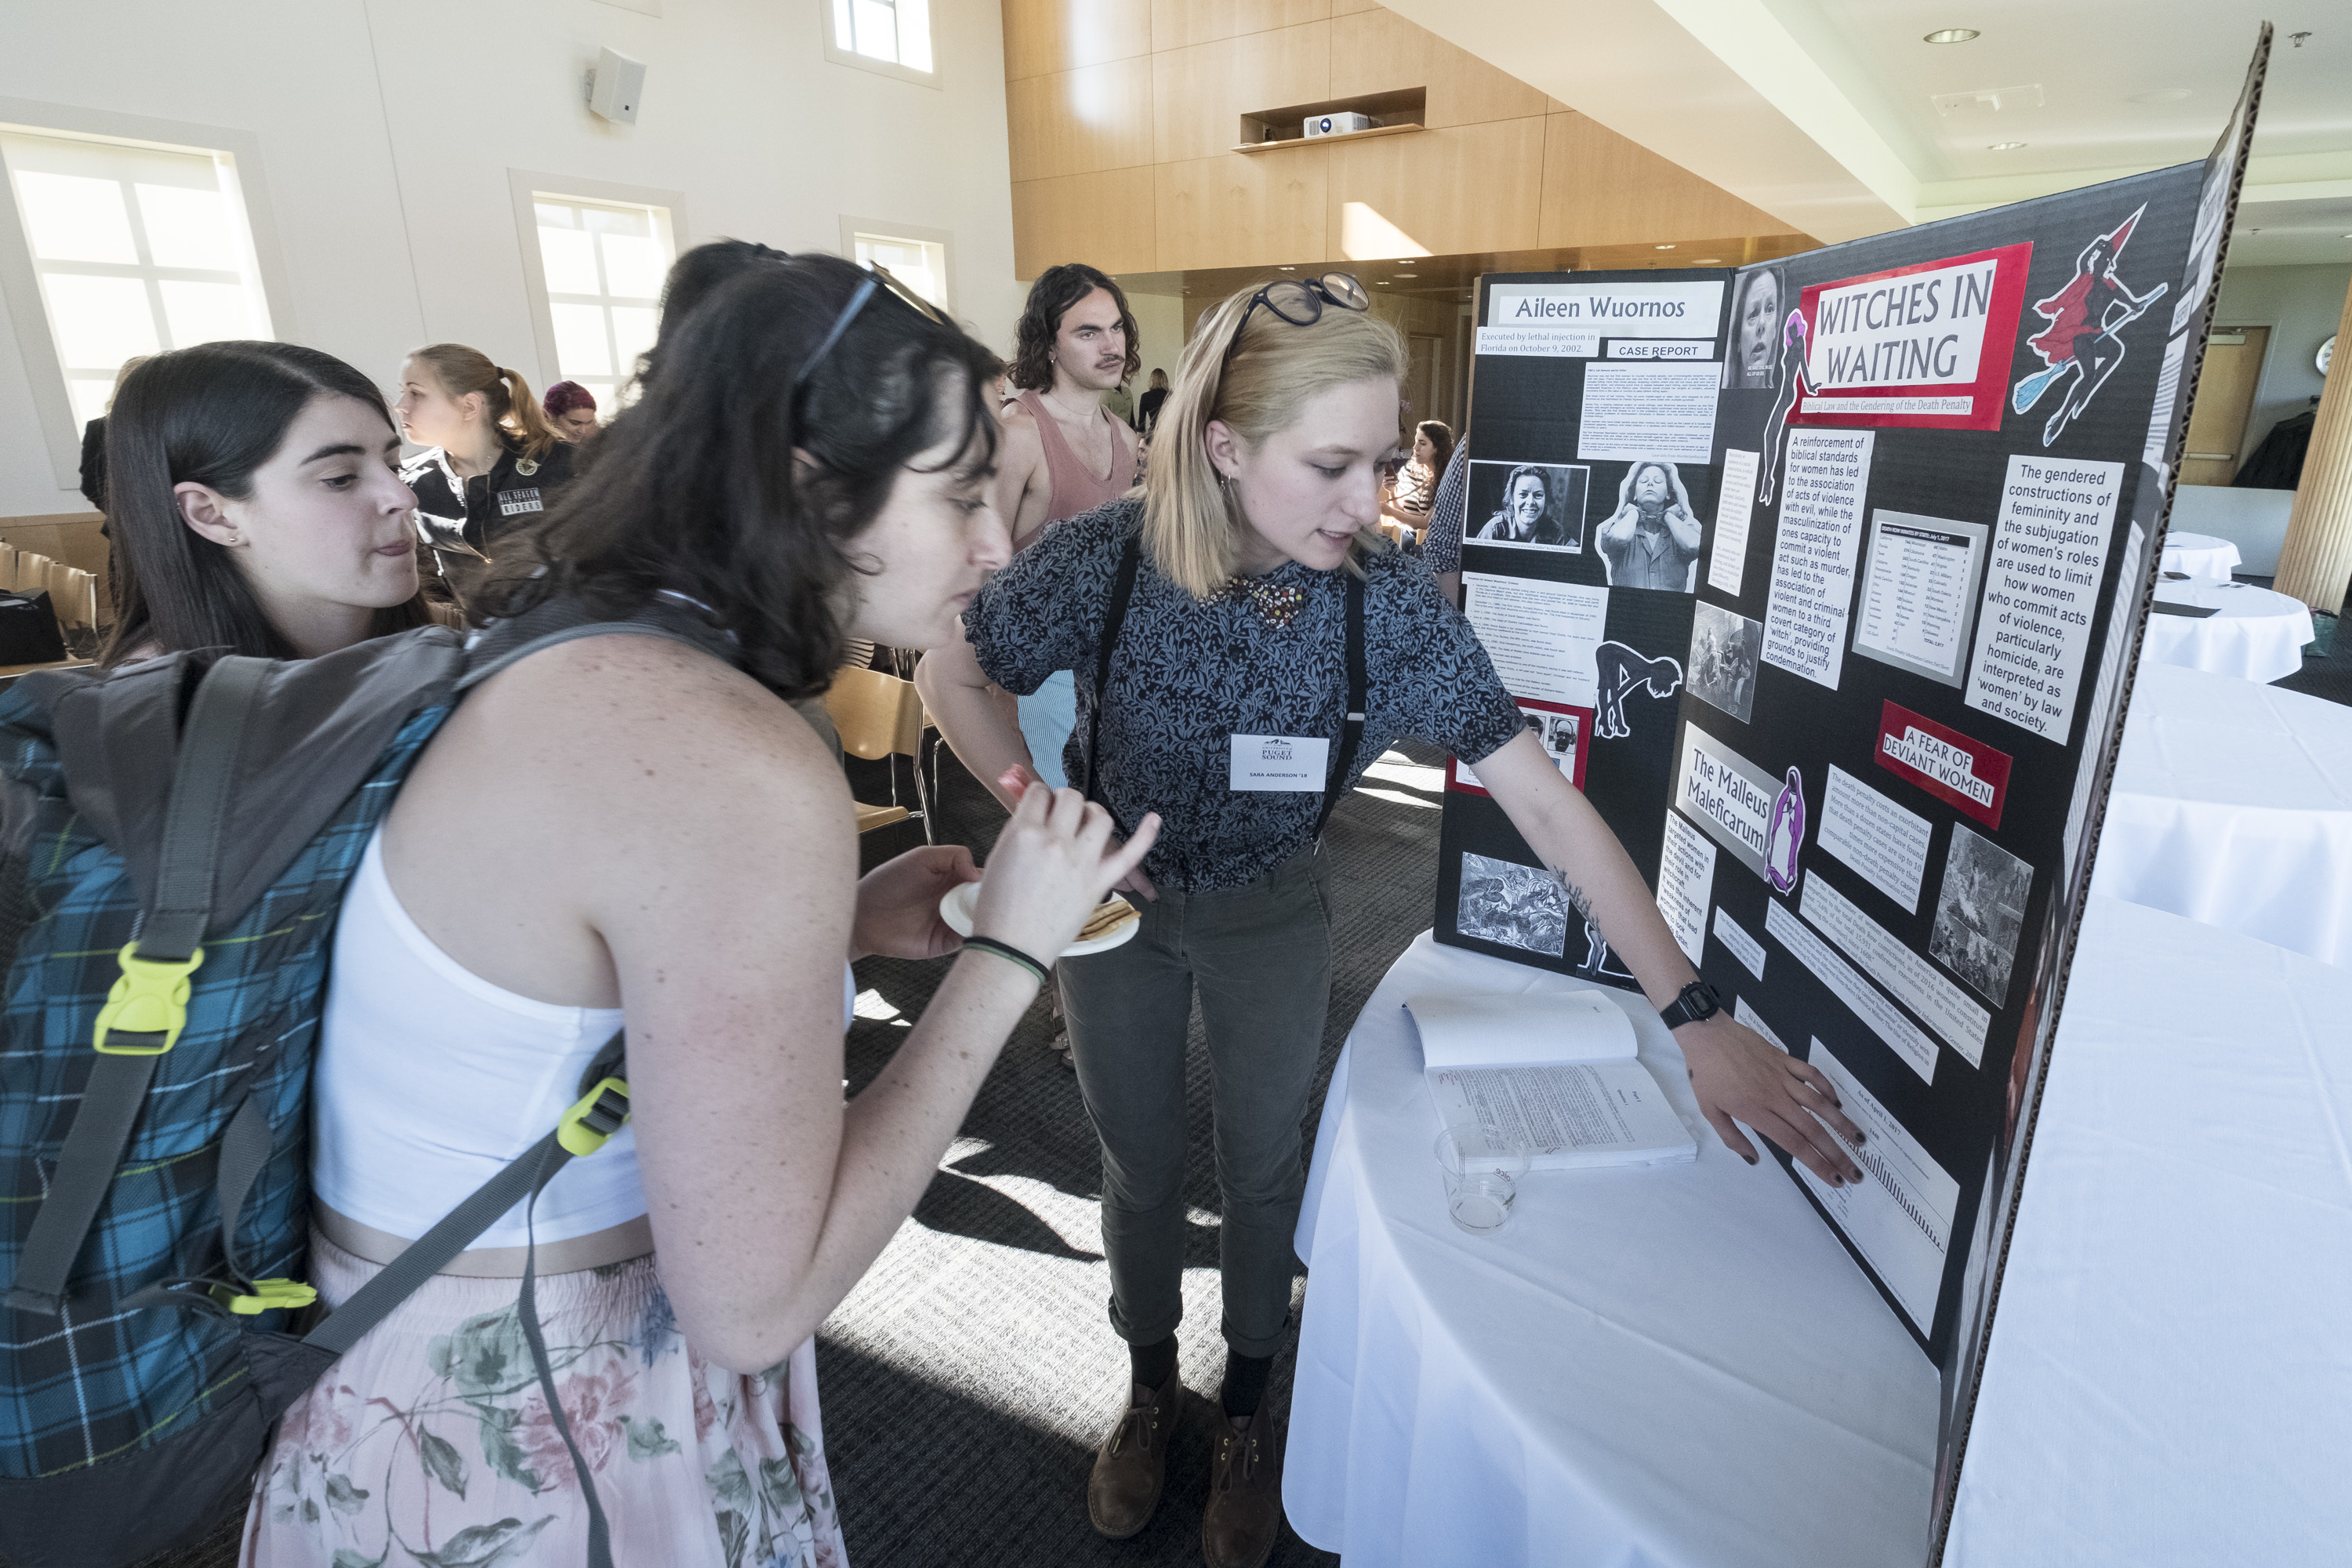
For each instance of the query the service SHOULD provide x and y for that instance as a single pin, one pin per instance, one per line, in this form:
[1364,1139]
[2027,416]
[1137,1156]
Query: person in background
[635,830]
[1406,500]
[1147,410]
[492,461]
[571,409]
[256,506]
[1210,616]
[1121,404]
[690,278]
[1440,547]
[93,442]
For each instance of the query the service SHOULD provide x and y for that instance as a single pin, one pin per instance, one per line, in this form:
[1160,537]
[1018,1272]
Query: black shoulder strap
[1351,734]
[1122,588]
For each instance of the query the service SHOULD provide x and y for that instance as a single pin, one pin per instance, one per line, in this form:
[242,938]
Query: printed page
[1489,1030]
[1599,1113]
[1635,413]
[1900,1215]
[2041,591]
[1828,474]
[1541,636]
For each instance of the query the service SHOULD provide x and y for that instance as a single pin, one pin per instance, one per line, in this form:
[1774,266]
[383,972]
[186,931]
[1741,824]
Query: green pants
[1259,958]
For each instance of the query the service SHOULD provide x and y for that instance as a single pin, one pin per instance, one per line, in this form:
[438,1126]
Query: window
[135,250]
[920,264]
[604,263]
[893,36]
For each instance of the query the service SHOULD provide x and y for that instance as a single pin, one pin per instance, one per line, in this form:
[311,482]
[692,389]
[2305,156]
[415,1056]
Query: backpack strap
[1351,733]
[1122,588]
[148,1007]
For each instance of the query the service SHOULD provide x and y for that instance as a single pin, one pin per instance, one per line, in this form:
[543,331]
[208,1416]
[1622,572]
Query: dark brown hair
[742,477]
[505,393]
[1050,298]
[1441,442]
[210,415]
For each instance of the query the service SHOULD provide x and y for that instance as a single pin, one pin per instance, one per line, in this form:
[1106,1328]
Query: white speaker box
[615,85]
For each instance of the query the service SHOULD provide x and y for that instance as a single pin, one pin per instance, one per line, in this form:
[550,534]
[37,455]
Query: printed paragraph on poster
[2049,557]
[1735,506]
[1633,411]
[1900,1215]
[1813,558]
[1541,636]
[1686,883]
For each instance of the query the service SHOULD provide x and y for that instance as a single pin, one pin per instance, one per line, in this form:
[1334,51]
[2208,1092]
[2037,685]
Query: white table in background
[2253,633]
[1675,1367]
[2233,805]
[2201,556]
[2168,1386]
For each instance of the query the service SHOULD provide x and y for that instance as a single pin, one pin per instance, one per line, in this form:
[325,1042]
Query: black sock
[1153,1364]
[1245,1378]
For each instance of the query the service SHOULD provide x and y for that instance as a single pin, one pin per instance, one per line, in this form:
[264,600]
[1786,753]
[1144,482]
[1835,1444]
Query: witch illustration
[1786,835]
[1793,382]
[2082,339]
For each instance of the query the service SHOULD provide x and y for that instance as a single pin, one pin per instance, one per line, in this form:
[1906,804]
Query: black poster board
[1933,506]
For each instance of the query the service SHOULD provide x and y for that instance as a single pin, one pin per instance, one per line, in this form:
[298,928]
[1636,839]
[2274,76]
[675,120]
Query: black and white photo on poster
[1515,905]
[1753,363]
[1979,910]
[1564,733]
[1536,506]
[1724,648]
[1651,539]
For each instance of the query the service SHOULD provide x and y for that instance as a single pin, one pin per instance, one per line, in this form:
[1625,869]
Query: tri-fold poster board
[1825,578]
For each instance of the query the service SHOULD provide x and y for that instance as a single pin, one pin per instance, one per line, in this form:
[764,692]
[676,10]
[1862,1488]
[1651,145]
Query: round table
[2233,805]
[2253,633]
[1677,1366]
[2165,1383]
[2200,556]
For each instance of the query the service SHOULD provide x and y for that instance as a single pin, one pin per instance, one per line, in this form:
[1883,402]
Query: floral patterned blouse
[1267,657]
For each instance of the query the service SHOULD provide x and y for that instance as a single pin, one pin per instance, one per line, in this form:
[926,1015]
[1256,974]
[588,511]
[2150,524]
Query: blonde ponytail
[525,420]
[1192,524]
[505,395]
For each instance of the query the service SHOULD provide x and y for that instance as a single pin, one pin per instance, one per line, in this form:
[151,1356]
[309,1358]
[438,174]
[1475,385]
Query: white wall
[386,131]
[2302,306]
[1159,323]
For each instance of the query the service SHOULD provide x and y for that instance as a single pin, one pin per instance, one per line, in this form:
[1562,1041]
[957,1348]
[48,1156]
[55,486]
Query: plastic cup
[1478,1190]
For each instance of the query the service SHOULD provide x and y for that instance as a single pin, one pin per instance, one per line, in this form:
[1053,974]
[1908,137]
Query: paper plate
[956,910]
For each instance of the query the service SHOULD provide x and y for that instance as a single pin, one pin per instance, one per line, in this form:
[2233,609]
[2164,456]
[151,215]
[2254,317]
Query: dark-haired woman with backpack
[492,463]
[255,505]
[637,830]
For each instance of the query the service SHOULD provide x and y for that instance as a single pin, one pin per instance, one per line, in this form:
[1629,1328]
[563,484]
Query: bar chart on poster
[1851,664]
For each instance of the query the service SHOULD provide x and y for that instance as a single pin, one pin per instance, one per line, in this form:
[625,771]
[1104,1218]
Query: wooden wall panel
[1041,37]
[1350,7]
[1103,220]
[1467,188]
[1179,23]
[1080,121]
[1199,94]
[1379,51]
[1237,211]
[1601,189]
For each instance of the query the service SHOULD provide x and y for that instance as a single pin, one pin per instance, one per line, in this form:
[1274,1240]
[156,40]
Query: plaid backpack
[175,839]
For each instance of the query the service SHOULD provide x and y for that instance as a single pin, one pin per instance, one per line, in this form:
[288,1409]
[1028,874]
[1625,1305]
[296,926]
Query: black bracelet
[1006,950]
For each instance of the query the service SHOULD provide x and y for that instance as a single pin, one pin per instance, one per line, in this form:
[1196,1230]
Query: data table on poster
[1675,1366]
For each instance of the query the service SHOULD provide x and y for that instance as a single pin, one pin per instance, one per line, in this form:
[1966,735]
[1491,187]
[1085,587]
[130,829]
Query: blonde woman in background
[493,462]
[1210,622]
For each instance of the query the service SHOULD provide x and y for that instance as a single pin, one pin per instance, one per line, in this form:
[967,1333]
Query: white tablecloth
[2168,1386]
[2233,805]
[2201,555]
[1648,1368]
[2254,633]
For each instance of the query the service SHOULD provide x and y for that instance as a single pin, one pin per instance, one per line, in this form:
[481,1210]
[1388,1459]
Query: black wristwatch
[1694,1003]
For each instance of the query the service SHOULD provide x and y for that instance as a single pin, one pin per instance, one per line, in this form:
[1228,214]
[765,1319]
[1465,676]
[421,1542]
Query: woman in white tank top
[622,829]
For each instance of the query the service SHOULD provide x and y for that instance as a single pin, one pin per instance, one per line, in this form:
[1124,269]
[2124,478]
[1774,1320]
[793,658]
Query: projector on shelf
[1336,124]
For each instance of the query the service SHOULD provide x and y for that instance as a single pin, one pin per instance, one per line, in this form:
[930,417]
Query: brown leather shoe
[1132,1462]
[1244,1519]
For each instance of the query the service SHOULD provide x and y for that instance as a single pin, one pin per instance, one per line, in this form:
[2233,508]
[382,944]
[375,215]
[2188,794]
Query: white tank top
[429,1080]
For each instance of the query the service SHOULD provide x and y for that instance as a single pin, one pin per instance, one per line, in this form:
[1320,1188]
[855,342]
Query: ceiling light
[1407,274]
[1662,248]
[1708,261]
[1382,282]
[2161,95]
[1952,36]
[2003,146]
[1290,270]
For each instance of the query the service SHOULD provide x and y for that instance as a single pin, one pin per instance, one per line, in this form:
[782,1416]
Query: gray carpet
[968,1378]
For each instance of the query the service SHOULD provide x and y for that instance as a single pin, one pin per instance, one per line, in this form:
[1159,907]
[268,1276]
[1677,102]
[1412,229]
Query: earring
[233,539]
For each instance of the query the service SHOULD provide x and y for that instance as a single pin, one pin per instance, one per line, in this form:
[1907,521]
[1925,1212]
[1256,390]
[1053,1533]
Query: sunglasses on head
[1300,301]
[877,281]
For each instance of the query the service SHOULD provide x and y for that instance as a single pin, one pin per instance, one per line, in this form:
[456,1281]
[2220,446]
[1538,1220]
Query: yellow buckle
[151,998]
[578,1134]
[272,1295]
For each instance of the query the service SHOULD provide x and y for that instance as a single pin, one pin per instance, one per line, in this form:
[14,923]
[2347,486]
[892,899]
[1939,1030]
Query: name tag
[1281,763]
[512,502]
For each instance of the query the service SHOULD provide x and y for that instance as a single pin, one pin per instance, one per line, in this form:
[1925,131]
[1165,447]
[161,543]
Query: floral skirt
[432,1436]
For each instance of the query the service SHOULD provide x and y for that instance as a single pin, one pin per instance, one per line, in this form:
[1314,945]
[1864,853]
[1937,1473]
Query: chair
[880,716]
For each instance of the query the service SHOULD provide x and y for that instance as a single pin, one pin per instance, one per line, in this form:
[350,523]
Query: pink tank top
[1076,488]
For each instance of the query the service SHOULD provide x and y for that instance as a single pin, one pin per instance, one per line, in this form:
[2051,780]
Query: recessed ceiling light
[1662,248]
[1708,261]
[2003,146]
[1381,281]
[1290,270]
[1407,274]
[2161,95]
[1952,36]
